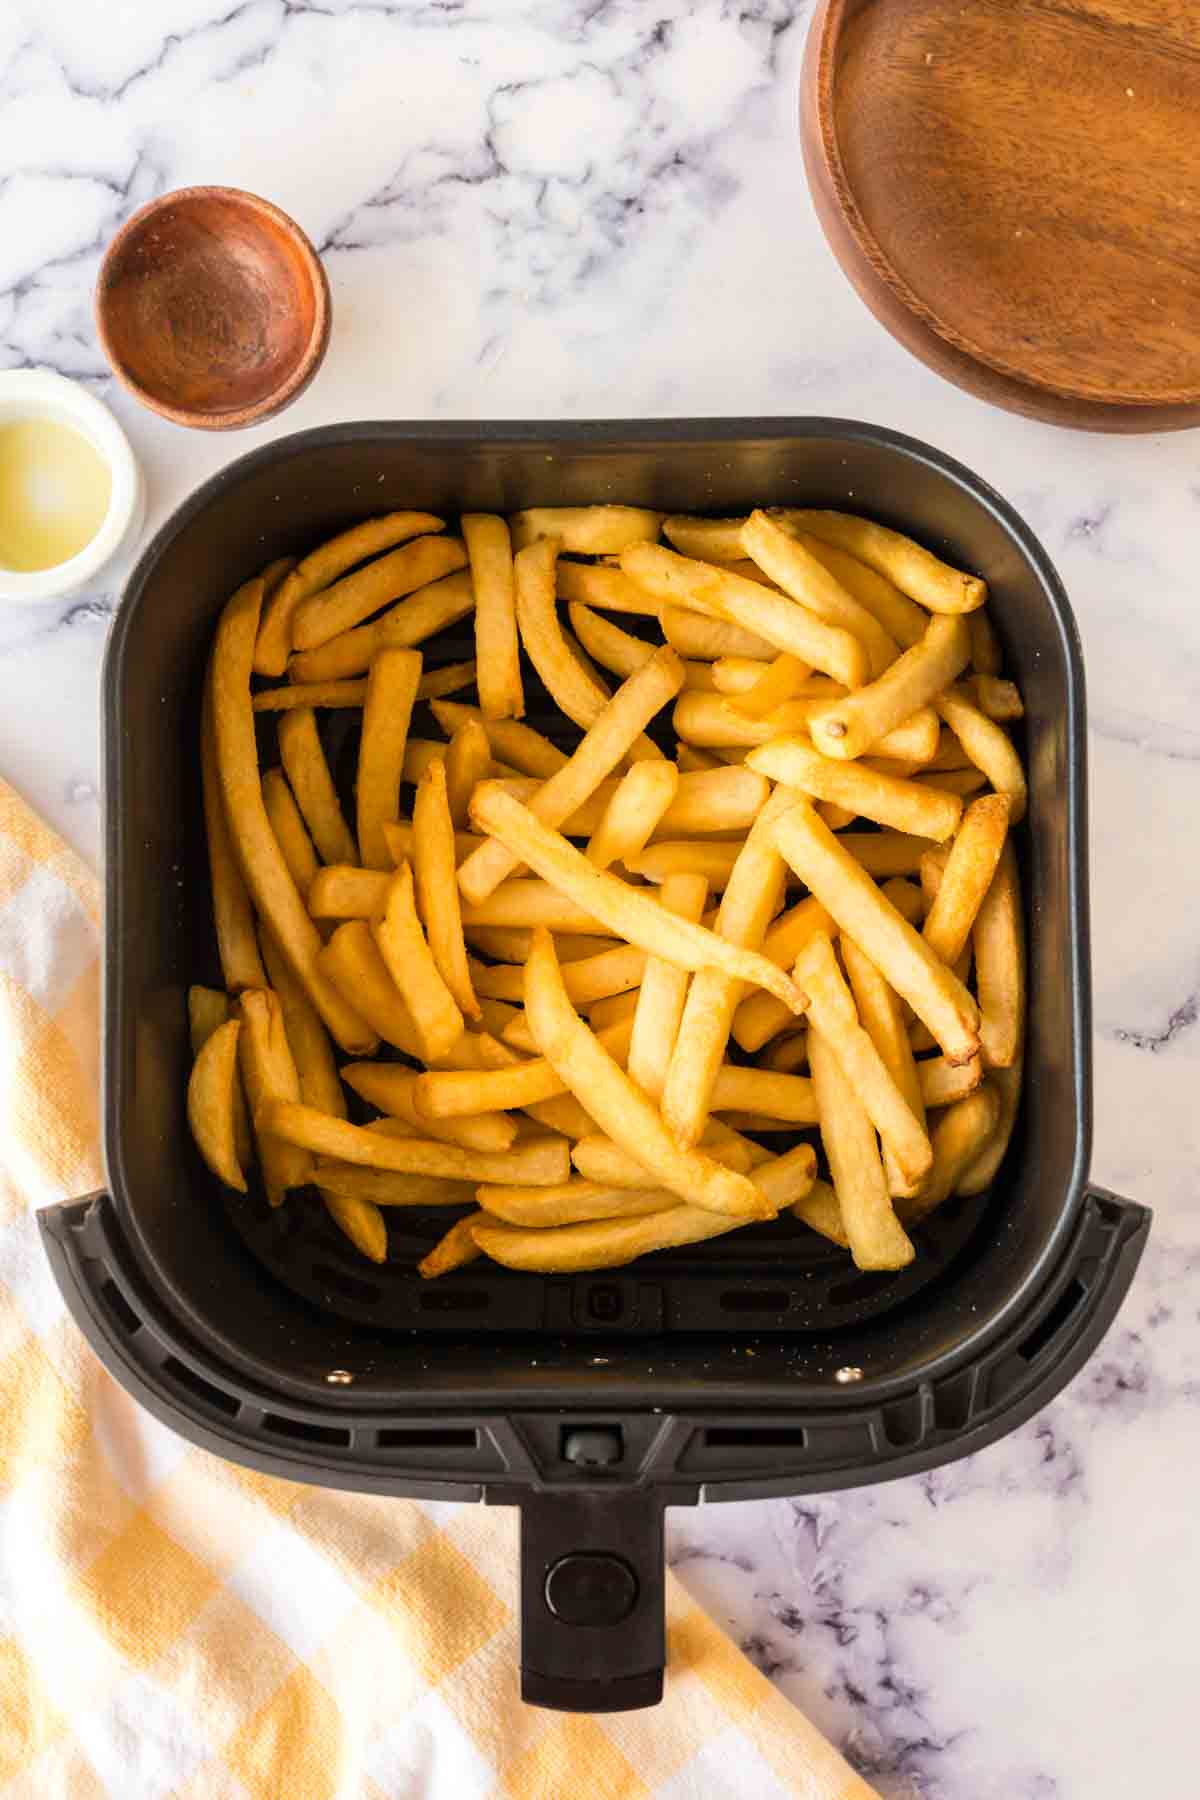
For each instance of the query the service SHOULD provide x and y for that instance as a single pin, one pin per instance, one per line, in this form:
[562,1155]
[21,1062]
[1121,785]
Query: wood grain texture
[1013,186]
[213,308]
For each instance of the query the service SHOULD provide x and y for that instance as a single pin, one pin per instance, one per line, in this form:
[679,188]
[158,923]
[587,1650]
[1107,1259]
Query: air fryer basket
[757,1364]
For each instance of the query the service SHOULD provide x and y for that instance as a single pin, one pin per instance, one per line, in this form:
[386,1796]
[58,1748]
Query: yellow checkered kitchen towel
[171,1625]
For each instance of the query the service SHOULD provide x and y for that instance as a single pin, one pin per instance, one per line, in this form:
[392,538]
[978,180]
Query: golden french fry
[343,892]
[877,1239]
[595,584]
[967,875]
[617,1103]
[960,1136]
[448,1094]
[586,530]
[511,741]
[691,761]
[275,893]
[418,616]
[468,761]
[819,1210]
[998,699]
[355,597]
[885,853]
[708,861]
[512,943]
[781,680]
[708,540]
[856,723]
[988,747]
[632,915]
[985,646]
[351,960]
[634,812]
[695,635]
[948,756]
[998,940]
[882,1018]
[784,559]
[411,965]
[528,904]
[383,1187]
[318,569]
[535,1163]
[307,1038]
[746,909]
[663,992]
[613,971]
[623,653]
[361,1221]
[233,915]
[312,784]
[212,1104]
[832,1012]
[758,1017]
[329,694]
[387,709]
[599,1158]
[610,736]
[679,581]
[913,569]
[449,679]
[900,617]
[391,1087]
[454,1250]
[859,909]
[437,887]
[551,652]
[963,782]
[612,1009]
[888,800]
[982,1172]
[489,547]
[941,1083]
[713,721]
[207,1008]
[291,833]
[771,1095]
[562,1113]
[270,1077]
[571,1204]
[786,1054]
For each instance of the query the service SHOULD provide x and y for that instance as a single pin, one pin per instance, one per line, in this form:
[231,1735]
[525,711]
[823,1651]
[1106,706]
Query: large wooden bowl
[213,308]
[1013,186]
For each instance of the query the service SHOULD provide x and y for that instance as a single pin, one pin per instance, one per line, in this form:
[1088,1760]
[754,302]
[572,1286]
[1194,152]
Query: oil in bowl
[55,490]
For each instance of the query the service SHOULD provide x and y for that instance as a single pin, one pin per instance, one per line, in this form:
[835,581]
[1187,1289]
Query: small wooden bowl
[213,308]
[1015,193]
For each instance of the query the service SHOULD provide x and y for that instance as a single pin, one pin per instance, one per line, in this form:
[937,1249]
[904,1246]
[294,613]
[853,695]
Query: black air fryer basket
[761,1363]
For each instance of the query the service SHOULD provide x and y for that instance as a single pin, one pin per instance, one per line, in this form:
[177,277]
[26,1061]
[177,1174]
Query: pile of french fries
[607,980]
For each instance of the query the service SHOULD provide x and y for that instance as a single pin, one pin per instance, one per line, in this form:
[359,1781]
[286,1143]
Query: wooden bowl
[213,308]
[1015,193]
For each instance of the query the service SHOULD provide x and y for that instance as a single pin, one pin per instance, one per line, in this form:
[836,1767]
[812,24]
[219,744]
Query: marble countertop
[587,208]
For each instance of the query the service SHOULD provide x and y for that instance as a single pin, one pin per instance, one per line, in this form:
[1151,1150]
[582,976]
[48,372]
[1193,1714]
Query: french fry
[330,694]
[784,559]
[697,636]
[877,1239]
[274,892]
[207,1008]
[233,914]
[355,597]
[600,1158]
[709,861]
[345,892]
[632,915]
[495,1016]
[759,1016]
[714,722]
[312,784]
[998,699]
[948,756]
[390,1087]
[985,646]
[571,1204]
[708,540]
[511,741]
[362,1222]
[983,1171]
[448,1093]
[746,909]
[270,1077]
[291,833]
[623,653]
[882,1018]
[411,965]
[998,940]
[941,1083]
[900,617]
[781,680]
[617,1103]
[613,971]
[513,943]
[691,761]
[383,1187]
[913,569]
[453,1251]
[632,815]
[551,652]
[387,709]
[988,747]
[307,1038]
[885,853]
[968,873]
[678,581]
[819,1210]
[418,616]
[903,805]
[449,679]
[562,1113]
[528,904]
[788,1098]
[612,1009]
[586,530]
[959,1138]
[663,992]
[351,961]
[212,1103]
[318,569]
[611,735]
[489,547]
[832,1012]
[468,761]
[786,1054]
[860,911]
[850,726]
[594,584]
[536,1163]
[963,782]
[437,887]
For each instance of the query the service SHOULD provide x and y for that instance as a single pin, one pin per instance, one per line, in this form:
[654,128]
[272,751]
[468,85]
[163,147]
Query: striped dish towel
[171,1625]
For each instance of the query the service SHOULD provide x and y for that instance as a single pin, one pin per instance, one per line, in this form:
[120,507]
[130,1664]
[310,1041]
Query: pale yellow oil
[54,493]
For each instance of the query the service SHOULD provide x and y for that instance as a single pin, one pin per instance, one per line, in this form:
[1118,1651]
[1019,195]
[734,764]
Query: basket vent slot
[196,1384]
[755,1437]
[1055,1319]
[120,1306]
[304,1429]
[431,1437]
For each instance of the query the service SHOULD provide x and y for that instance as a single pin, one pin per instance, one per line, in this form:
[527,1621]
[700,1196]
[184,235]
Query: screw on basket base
[848,1374]
[339,1378]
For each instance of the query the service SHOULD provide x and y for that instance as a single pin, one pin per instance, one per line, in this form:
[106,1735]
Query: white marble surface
[539,208]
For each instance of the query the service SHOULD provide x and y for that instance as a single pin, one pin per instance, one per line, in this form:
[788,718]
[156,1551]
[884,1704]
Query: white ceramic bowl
[41,394]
